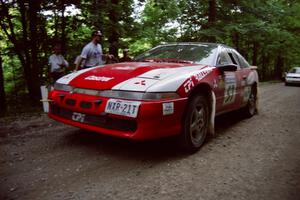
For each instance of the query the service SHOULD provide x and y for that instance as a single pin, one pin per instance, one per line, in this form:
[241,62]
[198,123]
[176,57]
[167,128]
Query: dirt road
[257,158]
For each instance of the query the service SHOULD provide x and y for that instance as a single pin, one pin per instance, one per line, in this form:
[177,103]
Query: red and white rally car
[173,89]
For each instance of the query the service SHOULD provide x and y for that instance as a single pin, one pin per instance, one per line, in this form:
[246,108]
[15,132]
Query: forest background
[266,33]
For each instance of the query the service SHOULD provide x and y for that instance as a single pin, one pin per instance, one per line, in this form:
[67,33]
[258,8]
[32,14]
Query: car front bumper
[150,122]
[292,80]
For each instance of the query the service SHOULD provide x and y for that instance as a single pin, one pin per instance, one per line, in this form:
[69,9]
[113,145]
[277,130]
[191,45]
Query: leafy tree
[113,18]
[156,22]
[25,44]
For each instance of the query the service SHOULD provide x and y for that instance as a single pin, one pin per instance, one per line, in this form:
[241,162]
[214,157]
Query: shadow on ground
[155,150]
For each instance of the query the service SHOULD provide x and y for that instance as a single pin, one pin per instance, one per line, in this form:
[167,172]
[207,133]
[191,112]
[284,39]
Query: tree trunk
[28,56]
[211,18]
[262,73]
[255,53]
[279,67]
[265,69]
[34,87]
[212,12]
[113,37]
[56,27]
[2,91]
[63,27]
[25,54]
[235,40]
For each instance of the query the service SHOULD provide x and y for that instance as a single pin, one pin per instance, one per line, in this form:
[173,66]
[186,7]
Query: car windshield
[295,70]
[189,53]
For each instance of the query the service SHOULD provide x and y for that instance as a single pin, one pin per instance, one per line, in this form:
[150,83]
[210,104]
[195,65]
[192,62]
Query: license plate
[121,107]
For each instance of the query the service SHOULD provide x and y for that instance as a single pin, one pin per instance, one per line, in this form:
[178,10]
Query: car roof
[195,43]
[294,68]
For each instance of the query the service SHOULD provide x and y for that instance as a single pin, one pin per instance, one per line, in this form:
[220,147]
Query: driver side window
[224,59]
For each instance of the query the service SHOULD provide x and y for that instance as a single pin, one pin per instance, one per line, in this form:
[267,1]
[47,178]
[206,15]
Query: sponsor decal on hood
[98,78]
[135,76]
[163,80]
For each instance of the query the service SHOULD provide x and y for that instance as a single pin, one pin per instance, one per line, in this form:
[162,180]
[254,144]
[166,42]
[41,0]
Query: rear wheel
[195,123]
[251,108]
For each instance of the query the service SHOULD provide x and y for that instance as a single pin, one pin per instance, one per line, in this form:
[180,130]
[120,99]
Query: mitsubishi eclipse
[172,89]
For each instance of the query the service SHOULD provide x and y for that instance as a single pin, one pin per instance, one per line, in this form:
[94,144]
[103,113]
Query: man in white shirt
[57,63]
[92,54]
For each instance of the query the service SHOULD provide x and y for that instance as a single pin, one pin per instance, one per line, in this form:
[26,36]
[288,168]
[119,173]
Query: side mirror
[253,67]
[227,68]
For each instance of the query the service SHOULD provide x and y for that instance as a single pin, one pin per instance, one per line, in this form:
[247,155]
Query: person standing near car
[57,63]
[92,54]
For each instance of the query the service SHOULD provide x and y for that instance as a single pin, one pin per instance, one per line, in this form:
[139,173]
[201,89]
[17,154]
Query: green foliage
[155,19]
[13,72]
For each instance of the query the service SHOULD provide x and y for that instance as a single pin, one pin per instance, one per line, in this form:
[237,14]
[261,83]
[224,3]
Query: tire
[251,108]
[195,124]
[286,84]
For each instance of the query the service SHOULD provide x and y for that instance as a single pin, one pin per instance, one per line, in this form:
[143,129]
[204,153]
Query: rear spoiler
[253,67]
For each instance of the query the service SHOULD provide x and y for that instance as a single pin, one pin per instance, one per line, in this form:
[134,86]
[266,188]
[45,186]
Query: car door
[246,79]
[241,77]
[228,83]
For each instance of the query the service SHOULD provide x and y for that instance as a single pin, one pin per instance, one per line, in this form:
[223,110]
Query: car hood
[133,76]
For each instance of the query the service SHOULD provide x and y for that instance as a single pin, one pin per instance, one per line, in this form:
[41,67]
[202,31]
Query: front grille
[86,105]
[70,102]
[97,120]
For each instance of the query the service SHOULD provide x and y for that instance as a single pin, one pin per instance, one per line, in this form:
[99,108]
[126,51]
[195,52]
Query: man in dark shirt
[125,57]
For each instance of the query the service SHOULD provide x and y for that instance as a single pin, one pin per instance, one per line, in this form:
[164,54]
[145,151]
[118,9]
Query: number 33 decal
[230,87]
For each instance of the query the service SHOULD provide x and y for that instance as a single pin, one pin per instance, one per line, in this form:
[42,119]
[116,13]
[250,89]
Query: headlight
[139,95]
[163,95]
[119,94]
[63,87]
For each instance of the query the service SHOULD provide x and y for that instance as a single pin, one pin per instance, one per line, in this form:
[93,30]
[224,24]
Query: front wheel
[195,123]
[286,84]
